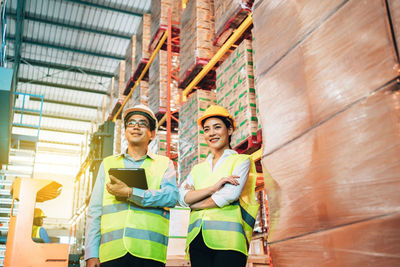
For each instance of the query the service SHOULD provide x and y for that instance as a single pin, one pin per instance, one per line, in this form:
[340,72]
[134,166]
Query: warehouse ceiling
[66,51]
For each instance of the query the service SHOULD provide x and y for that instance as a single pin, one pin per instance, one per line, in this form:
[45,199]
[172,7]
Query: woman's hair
[228,123]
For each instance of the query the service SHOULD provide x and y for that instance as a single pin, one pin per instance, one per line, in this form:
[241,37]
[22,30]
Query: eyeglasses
[141,124]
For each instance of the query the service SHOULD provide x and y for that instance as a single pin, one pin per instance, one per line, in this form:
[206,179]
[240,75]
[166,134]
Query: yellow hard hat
[215,110]
[143,110]
[38,213]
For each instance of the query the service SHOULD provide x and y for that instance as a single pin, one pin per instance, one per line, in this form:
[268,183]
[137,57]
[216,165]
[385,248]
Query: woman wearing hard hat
[220,193]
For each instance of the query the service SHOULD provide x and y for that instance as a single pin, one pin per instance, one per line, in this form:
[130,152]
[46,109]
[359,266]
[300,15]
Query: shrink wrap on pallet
[228,16]
[374,242]
[235,91]
[159,14]
[192,146]
[158,83]
[143,40]
[394,14]
[159,144]
[197,31]
[141,94]
[130,59]
[343,59]
[340,172]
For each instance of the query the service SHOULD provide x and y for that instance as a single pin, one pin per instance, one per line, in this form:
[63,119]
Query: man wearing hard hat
[38,232]
[128,226]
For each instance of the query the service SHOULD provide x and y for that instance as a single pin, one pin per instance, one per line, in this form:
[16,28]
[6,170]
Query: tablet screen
[132,177]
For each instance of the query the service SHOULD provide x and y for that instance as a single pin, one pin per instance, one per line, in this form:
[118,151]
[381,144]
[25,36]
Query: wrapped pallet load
[143,40]
[235,91]
[228,16]
[130,60]
[197,30]
[329,104]
[118,98]
[158,83]
[192,146]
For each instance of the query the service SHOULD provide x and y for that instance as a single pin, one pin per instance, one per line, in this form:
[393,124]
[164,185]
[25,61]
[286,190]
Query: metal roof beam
[51,116]
[64,67]
[19,30]
[52,129]
[62,86]
[71,26]
[114,9]
[62,103]
[65,48]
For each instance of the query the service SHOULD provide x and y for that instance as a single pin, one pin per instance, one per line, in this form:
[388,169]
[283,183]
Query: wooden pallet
[139,70]
[250,144]
[157,37]
[232,24]
[207,83]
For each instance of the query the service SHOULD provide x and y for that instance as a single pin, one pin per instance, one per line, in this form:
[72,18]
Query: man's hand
[93,262]
[118,188]
[230,179]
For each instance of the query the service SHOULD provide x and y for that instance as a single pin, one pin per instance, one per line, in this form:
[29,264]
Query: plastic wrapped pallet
[340,172]
[228,16]
[374,242]
[394,9]
[158,83]
[235,91]
[143,40]
[343,59]
[197,31]
[124,142]
[192,146]
[159,144]
[140,94]
[159,14]
[130,59]
[119,80]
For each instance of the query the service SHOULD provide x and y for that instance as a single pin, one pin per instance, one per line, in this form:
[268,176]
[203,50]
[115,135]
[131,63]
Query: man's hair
[138,112]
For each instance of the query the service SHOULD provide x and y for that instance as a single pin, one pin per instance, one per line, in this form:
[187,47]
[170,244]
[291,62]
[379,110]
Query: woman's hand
[230,179]
[118,188]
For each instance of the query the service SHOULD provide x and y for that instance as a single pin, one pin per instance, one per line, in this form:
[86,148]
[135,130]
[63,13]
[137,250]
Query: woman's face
[216,134]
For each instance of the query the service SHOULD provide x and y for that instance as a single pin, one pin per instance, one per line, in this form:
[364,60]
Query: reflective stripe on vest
[125,227]
[230,227]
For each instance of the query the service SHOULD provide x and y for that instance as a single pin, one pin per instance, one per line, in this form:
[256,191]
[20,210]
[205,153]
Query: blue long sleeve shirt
[166,196]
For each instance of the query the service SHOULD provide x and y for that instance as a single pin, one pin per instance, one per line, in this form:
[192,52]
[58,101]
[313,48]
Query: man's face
[137,130]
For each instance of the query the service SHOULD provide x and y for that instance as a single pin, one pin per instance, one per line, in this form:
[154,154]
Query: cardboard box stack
[159,143]
[130,59]
[228,16]
[394,12]
[159,14]
[328,101]
[192,146]
[235,91]
[158,83]
[118,90]
[143,40]
[197,31]
[141,94]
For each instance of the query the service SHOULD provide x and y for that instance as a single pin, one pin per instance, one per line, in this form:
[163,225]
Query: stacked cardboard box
[130,59]
[197,31]
[143,40]
[124,142]
[235,91]
[192,146]
[228,16]
[328,101]
[158,83]
[140,94]
[159,143]
[159,14]
[118,90]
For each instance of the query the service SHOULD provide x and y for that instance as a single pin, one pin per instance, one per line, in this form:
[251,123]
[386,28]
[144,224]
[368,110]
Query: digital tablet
[132,177]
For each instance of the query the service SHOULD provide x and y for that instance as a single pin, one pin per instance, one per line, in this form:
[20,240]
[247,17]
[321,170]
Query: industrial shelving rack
[168,116]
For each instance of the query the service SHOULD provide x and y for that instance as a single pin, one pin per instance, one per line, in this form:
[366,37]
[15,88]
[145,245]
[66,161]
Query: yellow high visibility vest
[36,231]
[125,227]
[229,227]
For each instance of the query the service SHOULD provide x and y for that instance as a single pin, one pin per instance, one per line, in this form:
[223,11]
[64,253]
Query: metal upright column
[169,66]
